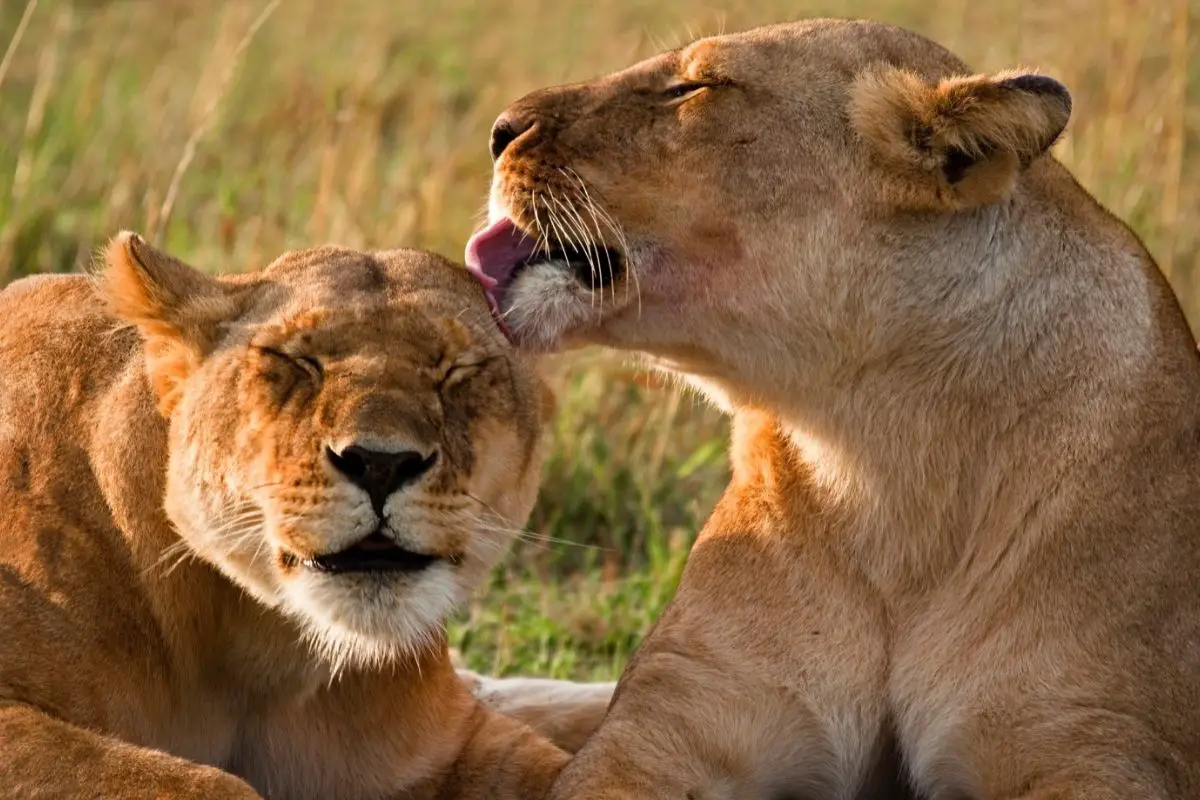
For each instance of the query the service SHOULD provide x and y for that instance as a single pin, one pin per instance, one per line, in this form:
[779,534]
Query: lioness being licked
[963,531]
[345,444]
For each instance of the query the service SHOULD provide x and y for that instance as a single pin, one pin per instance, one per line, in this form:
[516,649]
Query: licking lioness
[963,531]
[345,445]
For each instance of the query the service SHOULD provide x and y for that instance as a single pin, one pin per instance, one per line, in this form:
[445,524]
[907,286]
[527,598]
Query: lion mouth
[497,254]
[375,553]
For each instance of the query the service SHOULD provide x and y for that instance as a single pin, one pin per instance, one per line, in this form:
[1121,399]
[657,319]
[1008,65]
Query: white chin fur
[545,302]
[369,620]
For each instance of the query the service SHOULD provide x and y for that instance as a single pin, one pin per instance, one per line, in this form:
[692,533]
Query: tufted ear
[176,308]
[960,142]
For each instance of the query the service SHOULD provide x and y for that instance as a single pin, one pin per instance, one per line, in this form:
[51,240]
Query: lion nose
[380,474]
[507,129]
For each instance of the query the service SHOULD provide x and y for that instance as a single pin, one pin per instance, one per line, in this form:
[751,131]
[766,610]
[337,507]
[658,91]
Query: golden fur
[161,653]
[963,530]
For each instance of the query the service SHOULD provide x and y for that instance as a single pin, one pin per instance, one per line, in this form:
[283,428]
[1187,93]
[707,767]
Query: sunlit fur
[164,474]
[250,483]
[961,542]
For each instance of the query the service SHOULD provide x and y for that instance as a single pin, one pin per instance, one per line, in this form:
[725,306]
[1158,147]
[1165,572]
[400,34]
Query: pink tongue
[494,252]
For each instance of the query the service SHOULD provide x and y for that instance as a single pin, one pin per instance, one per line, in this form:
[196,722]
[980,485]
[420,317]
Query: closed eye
[462,370]
[680,91]
[307,364]
[314,367]
[683,89]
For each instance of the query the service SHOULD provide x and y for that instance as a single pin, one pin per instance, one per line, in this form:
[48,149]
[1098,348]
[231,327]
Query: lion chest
[950,674]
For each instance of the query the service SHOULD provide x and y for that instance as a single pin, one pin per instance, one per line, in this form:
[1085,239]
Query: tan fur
[963,531]
[187,652]
[917,126]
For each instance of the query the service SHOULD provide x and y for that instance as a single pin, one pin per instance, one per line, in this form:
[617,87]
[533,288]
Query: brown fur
[964,525]
[186,653]
[992,127]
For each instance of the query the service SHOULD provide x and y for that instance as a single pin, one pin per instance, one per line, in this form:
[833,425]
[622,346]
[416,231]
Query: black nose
[507,129]
[380,474]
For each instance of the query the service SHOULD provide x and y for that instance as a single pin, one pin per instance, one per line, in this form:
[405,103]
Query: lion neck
[915,406]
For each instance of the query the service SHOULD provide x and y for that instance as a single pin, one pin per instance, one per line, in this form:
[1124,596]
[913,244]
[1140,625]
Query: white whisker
[621,241]
[582,242]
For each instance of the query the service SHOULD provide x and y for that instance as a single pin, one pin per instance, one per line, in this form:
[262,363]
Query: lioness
[345,444]
[964,522]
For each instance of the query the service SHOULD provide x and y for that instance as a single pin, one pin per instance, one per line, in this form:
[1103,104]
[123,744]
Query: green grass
[368,126]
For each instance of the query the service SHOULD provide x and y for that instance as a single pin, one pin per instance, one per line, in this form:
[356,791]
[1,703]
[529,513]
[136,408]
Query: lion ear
[177,309]
[961,141]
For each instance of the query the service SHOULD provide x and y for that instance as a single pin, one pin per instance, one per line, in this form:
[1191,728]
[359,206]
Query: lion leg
[565,712]
[42,757]
[762,679]
[503,759]
[1091,789]
[1089,770]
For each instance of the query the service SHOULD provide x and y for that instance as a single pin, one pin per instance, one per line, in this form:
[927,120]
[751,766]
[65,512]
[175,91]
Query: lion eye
[460,371]
[312,366]
[681,90]
[456,373]
[307,364]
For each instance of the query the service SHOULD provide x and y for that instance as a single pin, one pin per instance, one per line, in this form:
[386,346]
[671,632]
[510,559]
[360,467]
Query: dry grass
[368,125]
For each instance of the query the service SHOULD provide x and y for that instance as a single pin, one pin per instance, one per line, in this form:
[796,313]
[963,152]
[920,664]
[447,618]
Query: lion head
[351,439]
[766,198]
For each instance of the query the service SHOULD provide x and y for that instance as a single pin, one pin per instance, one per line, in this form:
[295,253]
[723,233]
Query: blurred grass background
[231,131]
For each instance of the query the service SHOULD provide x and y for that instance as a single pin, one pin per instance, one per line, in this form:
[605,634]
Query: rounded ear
[161,295]
[962,141]
[177,310]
